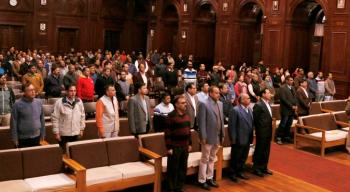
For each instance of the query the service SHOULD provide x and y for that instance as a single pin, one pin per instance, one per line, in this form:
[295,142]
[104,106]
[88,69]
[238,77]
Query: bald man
[240,128]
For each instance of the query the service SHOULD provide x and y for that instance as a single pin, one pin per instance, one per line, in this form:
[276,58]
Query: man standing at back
[192,104]
[7,99]
[263,130]
[211,133]
[139,111]
[240,128]
[288,108]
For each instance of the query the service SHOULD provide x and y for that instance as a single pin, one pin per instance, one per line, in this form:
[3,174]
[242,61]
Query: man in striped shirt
[177,134]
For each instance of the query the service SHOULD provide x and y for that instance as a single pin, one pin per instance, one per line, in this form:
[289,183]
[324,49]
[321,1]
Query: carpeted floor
[310,168]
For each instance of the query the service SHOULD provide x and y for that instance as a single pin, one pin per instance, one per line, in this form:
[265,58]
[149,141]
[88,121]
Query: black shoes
[262,173]
[208,184]
[267,171]
[212,183]
[258,173]
[242,176]
[204,186]
[233,178]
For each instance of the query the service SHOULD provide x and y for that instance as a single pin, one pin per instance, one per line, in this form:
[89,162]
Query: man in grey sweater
[27,119]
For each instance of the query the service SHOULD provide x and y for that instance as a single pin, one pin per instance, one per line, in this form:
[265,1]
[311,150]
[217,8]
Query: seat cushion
[345,128]
[251,150]
[164,163]
[134,169]
[226,153]
[15,186]
[332,135]
[50,182]
[193,159]
[101,175]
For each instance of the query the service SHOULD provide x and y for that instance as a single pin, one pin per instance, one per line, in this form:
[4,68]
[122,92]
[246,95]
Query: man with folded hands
[177,135]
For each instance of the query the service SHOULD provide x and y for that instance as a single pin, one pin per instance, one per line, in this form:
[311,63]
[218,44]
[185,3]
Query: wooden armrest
[80,173]
[73,164]
[149,153]
[327,111]
[309,127]
[342,123]
[43,142]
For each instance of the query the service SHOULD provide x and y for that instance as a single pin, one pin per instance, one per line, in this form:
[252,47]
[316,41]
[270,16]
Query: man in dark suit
[240,127]
[141,76]
[211,134]
[192,103]
[263,130]
[139,111]
[288,108]
[226,100]
[304,100]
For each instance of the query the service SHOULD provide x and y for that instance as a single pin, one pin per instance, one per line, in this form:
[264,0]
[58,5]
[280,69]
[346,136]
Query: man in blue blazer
[240,127]
[211,132]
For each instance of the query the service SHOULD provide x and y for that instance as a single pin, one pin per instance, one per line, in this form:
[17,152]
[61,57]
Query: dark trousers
[195,124]
[66,139]
[261,153]
[284,127]
[176,169]
[31,142]
[148,128]
[239,155]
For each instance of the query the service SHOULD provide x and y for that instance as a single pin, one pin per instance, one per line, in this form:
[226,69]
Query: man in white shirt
[161,112]
[192,103]
[303,99]
[190,74]
[262,116]
[165,107]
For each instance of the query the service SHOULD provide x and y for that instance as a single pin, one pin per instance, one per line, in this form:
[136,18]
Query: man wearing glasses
[27,119]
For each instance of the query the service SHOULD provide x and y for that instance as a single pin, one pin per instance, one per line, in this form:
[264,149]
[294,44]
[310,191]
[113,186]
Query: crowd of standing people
[122,84]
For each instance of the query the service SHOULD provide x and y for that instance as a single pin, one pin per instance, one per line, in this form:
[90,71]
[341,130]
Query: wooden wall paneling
[73,8]
[273,37]
[17,22]
[204,42]
[339,51]
[281,40]
[235,45]
[222,45]
[42,25]
[76,23]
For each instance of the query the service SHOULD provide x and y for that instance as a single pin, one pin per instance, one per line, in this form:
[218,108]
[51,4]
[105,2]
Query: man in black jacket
[54,83]
[263,130]
[288,108]
[103,80]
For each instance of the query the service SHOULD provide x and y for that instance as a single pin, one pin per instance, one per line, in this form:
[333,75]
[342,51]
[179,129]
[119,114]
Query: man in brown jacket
[303,99]
[330,88]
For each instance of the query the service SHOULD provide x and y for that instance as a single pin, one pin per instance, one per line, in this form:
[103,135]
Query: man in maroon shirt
[177,134]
